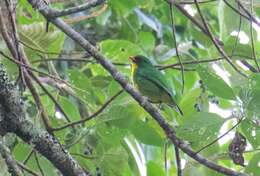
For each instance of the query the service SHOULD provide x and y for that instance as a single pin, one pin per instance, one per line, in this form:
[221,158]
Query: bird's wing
[155,76]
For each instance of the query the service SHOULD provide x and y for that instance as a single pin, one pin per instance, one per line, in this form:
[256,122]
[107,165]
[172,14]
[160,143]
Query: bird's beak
[132,58]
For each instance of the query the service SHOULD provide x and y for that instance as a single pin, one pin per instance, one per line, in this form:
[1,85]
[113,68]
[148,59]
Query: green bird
[150,82]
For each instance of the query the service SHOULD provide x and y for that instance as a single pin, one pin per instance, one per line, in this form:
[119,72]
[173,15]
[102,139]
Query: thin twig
[217,139]
[192,2]
[13,168]
[175,43]
[18,52]
[84,156]
[38,163]
[38,71]
[63,59]
[91,116]
[30,171]
[237,37]
[51,97]
[169,131]
[190,62]
[19,56]
[252,40]
[161,67]
[249,66]
[251,17]
[69,11]
[16,121]
[28,156]
[165,156]
[192,19]
[178,160]
[236,10]
[49,53]
[38,102]
[219,48]
[33,69]
[85,17]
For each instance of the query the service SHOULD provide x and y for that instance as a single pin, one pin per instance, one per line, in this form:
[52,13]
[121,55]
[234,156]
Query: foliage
[123,139]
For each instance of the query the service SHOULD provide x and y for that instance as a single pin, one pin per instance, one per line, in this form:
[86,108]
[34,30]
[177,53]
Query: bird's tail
[176,107]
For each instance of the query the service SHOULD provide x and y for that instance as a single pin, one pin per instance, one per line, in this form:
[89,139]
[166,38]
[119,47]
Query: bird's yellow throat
[133,68]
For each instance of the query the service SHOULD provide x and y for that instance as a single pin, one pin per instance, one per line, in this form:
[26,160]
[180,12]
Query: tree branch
[13,168]
[89,4]
[44,10]
[24,167]
[215,42]
[176,44]
[101,109]
[178,160]
[9,32]
[14,120]
[252,39]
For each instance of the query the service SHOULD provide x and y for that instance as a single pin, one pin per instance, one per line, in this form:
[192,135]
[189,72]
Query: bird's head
[140,60]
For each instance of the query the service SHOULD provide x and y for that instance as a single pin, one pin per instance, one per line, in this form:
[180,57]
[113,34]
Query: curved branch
[215,42]
[14,120]
[101,109]
[169,131]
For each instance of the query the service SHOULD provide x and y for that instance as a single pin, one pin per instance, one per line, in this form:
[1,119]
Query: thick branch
[44,10]
[14,121]
[9,32]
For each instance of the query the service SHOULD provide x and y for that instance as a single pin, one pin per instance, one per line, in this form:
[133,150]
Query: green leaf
[71,136]
[113,160]
[255,80]
[119,50]
[82,86]
[215,84]
[253,95]
[122,116]
[110,136]
[11,68]
[123,7]
[146,134]
[188,101]
[26,14]
[225,16]
[192,170]
[199,36]
[241,49]
[146,40]
[70,108]
[101,81]
[200,128]
[253,166]
[190,79]
[254,102]
[252,132]
[48,104]
[154,169]
[35,36]
[21,151]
